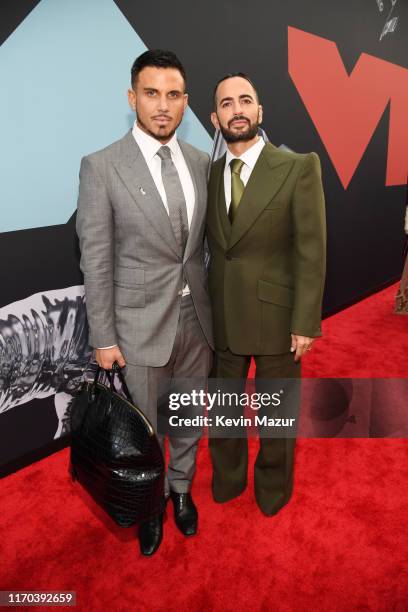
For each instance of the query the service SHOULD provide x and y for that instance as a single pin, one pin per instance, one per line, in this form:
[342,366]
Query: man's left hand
[300,345]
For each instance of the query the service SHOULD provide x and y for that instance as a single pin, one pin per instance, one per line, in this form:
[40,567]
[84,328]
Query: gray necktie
[175,197]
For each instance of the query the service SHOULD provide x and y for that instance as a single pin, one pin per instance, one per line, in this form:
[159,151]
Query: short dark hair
[158,58]
[231,75]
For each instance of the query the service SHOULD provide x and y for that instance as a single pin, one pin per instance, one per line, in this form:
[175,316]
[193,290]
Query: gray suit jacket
[131,262]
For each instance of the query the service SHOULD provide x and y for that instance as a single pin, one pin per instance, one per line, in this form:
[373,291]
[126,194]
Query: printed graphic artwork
[44,350]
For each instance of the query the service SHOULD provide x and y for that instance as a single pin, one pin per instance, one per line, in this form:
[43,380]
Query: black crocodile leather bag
[115,454]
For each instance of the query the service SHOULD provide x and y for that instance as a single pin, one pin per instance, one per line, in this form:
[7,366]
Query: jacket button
[228,257]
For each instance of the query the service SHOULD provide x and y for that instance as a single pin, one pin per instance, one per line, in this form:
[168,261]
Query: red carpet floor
[340,545]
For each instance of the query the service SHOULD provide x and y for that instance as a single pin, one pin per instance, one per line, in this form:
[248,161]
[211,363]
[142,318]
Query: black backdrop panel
[39,259]
[12,13]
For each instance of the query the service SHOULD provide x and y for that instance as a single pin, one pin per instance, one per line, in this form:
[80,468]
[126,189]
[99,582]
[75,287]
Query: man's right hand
[106,357]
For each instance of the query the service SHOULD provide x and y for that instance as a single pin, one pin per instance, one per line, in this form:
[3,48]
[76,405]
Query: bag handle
[110,374]
[116,369]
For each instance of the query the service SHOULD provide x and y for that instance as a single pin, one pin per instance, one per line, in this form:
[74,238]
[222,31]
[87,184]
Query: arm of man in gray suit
[207,166]
[94,226]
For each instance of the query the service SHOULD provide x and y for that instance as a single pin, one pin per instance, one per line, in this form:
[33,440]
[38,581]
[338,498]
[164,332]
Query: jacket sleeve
[94,226]
[207,168]
[309,242]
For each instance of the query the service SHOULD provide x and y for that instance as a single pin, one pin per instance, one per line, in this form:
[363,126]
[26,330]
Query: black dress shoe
[151,535]
[185,513]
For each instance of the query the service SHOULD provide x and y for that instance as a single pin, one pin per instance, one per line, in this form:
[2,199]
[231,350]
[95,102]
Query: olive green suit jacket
[267,270]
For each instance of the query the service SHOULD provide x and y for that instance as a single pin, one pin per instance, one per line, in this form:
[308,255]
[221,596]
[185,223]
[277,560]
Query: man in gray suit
[140,221]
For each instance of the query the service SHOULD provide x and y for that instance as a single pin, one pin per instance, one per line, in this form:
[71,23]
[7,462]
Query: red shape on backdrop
[346,108]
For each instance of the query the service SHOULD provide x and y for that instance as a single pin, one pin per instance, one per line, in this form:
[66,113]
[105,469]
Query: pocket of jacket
[275,294]
[128,277]
[274,205]
[131,298]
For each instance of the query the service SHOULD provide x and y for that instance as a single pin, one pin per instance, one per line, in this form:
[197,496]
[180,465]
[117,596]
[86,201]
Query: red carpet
[341,544]
[367,341]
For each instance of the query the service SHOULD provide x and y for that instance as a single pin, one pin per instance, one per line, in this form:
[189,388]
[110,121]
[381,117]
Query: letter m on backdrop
[346,108]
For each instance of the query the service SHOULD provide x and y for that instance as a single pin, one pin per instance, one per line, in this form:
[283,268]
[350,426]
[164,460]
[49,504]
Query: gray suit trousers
[191,357]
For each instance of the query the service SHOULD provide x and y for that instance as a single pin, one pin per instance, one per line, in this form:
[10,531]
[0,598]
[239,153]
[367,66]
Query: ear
[260,114]
[185,101]
[214,120]
[132,99]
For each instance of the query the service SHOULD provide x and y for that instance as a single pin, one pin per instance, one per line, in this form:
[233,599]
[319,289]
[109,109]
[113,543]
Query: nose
[163,103]
[237,108]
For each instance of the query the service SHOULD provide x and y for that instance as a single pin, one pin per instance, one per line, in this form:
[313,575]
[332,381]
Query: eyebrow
[229,98]
[156,90]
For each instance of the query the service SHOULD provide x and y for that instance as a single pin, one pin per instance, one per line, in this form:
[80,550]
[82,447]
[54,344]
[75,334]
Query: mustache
[159,115]
[238,118]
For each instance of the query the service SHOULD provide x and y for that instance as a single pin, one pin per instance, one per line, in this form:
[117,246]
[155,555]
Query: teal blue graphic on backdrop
[65,72]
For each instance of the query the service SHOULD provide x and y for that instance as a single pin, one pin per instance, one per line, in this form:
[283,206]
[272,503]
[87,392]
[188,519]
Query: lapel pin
[142,191]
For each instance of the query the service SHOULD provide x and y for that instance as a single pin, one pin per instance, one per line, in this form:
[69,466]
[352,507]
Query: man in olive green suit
[266,235]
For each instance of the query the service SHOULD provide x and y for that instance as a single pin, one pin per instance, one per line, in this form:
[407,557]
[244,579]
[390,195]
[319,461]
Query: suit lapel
[267,177]
[199,205]
[136,176]
[214,214]
[222,209]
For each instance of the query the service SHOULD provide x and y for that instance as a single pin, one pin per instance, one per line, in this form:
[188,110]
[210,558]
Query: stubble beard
[160,135]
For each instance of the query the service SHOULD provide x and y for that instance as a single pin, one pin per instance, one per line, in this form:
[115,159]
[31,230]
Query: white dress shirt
[149,147]
[250,157]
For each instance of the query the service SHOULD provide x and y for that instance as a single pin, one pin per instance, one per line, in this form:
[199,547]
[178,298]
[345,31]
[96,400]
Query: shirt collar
[250,157]
[150,145]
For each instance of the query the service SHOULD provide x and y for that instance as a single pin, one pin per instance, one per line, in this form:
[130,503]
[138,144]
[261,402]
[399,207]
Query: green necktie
[237,187]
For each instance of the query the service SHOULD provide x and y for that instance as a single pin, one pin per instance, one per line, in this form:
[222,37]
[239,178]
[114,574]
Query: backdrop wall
[332,77]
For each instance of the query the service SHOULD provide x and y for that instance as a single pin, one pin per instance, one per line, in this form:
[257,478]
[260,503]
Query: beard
[161,134]
[243,136]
